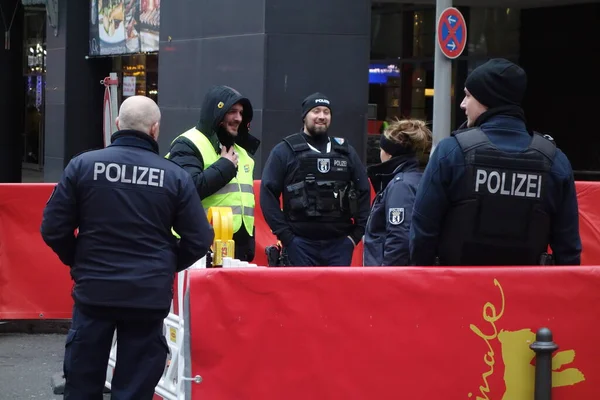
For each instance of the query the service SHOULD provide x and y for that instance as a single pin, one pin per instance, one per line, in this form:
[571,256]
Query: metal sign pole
[442,80]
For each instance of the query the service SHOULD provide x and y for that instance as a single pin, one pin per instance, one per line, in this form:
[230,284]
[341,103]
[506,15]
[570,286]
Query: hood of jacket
[381,174]
[215,106]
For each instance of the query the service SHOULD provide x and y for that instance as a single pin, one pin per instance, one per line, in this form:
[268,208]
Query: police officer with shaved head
[495,193]
[123,201]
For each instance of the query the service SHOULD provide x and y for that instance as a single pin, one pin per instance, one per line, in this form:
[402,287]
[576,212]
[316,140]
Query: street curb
[35,326]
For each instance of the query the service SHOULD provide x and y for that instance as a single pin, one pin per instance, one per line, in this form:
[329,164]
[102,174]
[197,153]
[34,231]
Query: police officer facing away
[395,182]
[217,154]
[123,200]
[325,192]
[494,193]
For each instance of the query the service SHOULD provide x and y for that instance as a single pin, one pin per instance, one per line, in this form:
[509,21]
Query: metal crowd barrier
[172,384]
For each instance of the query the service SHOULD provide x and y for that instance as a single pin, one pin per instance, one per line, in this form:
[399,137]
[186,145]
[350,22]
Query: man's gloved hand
[230,155]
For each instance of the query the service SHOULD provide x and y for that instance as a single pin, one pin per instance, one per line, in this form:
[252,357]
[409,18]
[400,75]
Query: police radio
[276,255]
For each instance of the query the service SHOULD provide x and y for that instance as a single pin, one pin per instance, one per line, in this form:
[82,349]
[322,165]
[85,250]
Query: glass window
[386,31]
[34,50]
[34,71]
[138,75]
[424,33]
[494,32]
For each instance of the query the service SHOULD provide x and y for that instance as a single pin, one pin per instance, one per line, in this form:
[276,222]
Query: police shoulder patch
[396,216]
[339,140]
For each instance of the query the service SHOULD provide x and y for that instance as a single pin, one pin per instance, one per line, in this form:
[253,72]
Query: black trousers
[244,244]
[303,252]
[141,357]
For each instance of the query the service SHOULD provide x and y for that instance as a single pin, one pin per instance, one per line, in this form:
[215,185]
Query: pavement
[29,357]
[27,363]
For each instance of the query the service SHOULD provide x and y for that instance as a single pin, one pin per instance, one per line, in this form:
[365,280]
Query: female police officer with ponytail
[395,181]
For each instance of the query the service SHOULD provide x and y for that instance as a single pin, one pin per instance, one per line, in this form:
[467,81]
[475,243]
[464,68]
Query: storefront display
[128,32]
[124,26]
[34,72]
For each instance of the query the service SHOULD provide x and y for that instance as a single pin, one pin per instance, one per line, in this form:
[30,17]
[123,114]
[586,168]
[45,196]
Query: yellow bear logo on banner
[519,373]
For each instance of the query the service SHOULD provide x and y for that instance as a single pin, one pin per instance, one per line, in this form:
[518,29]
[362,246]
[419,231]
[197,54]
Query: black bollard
[543,347]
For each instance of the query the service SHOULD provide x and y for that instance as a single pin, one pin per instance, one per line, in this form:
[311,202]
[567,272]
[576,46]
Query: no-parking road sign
[452,32]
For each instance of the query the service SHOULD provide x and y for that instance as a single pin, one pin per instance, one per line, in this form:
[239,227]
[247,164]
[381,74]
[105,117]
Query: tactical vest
[239,192]
[499,218]
[322,187]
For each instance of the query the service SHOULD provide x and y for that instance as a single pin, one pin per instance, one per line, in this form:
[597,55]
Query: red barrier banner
[588,198]
[391,333]
[34,284]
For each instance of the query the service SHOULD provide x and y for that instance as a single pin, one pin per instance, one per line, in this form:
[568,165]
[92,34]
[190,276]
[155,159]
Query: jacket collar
[511,115]
[134,138]
[504,122]
[381,174]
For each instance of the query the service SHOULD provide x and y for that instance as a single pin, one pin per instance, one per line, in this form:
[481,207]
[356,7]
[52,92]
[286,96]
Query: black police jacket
[124,200]
[442,188]
[283,171]
[386,237]
[500,218]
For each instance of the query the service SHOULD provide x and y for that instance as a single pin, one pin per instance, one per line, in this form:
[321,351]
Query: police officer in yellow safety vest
[217,154]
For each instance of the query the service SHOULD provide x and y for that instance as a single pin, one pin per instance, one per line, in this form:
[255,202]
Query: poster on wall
[124,26]
[129,86]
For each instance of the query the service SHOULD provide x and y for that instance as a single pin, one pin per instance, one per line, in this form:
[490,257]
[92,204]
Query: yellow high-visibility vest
[239,192]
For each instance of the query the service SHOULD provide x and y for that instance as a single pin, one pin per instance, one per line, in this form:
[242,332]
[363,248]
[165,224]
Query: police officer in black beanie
[325,189]
[495,193]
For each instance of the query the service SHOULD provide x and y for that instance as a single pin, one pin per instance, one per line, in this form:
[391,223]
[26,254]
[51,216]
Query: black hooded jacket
[185,154]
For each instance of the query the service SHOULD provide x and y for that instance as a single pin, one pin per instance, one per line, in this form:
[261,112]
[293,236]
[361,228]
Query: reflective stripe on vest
[237,210]
[234,187]
[239,192]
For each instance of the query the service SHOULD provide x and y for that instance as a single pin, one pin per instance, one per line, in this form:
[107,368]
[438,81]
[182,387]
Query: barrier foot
[58,384]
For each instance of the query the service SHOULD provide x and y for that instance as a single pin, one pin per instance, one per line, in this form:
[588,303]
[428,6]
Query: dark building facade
[375,60]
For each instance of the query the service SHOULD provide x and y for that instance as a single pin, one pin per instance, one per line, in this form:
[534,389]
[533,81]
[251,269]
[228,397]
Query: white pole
[114,104]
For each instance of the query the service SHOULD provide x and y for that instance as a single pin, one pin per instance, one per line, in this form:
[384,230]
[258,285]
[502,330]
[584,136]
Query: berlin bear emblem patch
[323,165]
[396,216]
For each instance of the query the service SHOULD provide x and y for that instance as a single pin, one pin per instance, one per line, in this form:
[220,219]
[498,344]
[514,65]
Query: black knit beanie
[498,82]
[315,100]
